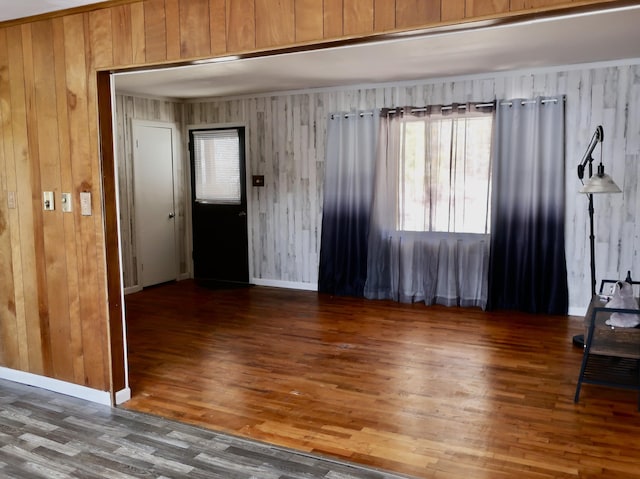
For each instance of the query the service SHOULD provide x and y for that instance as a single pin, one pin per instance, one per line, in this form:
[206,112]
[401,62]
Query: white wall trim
[123,395]
[132,289]
[114,141]
[577,311]
[275,283]
[56,385]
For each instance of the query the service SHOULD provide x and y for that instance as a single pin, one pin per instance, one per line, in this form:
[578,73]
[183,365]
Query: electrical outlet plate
[66,202]
[11,199]
[85,203]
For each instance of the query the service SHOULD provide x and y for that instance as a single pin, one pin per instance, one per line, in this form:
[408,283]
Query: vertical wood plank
[82,131]
[218,25]
[155,31]
[333,18]
[453,10]
[172,15]
[37,262]
[138,45]
[515,5]
[100,37]
[14,145]
[308,20]
[74,347]
[92,227]
[384,15]
[275,23]
[95,246]
[54,244]
[195,35]
[479,8]
[121,27]
[358,17]
[410,13]
[9,332]
[241,25]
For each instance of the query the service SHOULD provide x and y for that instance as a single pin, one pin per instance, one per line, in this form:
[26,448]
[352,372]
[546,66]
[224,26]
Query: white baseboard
[123,395]
[137,288]
[577,311]
[56,385]
[132,289]
[275,283]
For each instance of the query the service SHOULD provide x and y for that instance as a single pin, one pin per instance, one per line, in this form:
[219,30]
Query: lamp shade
[600,183]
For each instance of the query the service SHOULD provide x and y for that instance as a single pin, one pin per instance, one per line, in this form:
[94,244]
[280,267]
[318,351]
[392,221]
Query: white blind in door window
[217,166]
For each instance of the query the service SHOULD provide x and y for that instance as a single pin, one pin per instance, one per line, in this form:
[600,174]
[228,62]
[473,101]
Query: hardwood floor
[432,392]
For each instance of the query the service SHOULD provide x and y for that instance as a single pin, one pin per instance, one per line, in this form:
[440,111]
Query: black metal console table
[611,355]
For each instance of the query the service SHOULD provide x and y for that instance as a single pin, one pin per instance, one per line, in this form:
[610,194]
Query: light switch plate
[48,201]
[85,203]
[66,202]
[11,199]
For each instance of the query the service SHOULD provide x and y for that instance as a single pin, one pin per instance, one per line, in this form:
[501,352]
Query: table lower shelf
[612,371]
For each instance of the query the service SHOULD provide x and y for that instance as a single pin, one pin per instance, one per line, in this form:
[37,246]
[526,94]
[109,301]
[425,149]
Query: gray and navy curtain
[348,196]
[527,267]
[527,261]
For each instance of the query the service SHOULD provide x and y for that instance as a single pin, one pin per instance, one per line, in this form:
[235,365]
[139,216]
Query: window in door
[217,167]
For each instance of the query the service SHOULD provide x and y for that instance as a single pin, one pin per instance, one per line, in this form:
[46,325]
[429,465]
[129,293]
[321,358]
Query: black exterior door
[219,206]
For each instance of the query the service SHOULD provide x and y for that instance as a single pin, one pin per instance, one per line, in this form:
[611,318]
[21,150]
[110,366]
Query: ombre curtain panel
[528,266]
[348,196]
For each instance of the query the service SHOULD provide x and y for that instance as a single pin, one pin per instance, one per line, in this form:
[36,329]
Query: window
[216,166]
[444,173]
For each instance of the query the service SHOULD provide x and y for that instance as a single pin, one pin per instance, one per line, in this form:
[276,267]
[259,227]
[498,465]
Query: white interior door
[154,204]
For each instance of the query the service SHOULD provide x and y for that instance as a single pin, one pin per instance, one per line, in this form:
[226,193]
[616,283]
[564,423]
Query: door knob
[172,215]
[242,213]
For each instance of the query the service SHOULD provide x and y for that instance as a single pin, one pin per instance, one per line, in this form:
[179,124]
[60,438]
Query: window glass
[217,166]
[444,177]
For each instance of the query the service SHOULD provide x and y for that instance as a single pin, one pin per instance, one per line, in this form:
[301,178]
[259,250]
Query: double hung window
[444,171]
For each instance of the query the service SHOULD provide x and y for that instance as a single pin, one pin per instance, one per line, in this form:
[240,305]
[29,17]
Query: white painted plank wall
[128,108]
[286,143]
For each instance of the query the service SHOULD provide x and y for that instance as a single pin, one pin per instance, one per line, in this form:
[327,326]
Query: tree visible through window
[444,173]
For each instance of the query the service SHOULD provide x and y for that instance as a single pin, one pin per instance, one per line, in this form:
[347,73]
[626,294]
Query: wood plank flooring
[52,436]
[431,392]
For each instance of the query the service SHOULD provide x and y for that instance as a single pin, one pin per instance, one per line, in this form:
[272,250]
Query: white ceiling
[542,42]
[12,9]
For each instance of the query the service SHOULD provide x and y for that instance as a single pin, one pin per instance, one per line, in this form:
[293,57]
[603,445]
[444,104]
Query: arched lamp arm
[597,137]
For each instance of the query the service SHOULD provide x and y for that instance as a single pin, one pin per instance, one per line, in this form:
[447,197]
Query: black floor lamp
[598,183]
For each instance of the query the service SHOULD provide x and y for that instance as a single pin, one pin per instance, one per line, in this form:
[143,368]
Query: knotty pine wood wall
[54,309]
